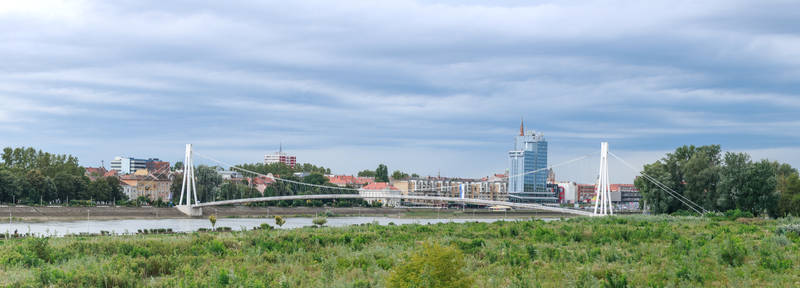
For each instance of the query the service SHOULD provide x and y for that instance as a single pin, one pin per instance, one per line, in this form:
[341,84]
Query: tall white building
[280,157]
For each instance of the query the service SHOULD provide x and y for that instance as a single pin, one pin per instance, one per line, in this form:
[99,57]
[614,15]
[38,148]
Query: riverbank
[36,214]
[628,251]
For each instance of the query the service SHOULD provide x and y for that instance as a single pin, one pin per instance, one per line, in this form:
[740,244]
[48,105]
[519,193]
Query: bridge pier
[190,211]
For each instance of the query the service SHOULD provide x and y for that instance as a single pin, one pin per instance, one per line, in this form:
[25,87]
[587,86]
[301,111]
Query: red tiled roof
[96,170]
[348,179]
[379,186]
[110,173]
[262,180]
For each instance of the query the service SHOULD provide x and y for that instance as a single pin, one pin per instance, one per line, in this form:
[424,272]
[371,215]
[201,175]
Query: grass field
[626,251]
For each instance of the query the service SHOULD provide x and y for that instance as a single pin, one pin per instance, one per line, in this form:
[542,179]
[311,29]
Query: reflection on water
[60,228]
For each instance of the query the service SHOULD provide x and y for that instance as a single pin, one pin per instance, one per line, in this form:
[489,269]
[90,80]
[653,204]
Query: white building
[378,191]
[280,157]
[570,191]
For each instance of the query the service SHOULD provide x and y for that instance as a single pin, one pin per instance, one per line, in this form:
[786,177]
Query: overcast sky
[423,86]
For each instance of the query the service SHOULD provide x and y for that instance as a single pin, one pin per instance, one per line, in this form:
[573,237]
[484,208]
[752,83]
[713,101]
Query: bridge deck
[428,198]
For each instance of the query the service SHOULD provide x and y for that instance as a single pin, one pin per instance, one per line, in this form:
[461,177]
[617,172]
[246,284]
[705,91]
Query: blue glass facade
[527,180]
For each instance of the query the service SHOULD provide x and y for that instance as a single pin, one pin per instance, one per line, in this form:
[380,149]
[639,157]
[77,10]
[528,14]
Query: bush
[39,247]
[736,214]
[279,221]
[319,221]
[733,252]
[432,266]
[614,280]
[788,230]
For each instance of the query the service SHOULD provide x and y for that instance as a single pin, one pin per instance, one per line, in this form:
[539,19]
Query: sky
[429,87]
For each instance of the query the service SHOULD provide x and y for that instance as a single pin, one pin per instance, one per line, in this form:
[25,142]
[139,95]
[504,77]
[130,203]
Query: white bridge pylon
[189,187]
[602,203]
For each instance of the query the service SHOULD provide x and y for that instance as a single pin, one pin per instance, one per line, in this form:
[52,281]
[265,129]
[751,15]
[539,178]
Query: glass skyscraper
[527,175]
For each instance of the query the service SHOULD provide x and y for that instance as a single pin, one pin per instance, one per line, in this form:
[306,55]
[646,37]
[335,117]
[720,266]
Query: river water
[131,226]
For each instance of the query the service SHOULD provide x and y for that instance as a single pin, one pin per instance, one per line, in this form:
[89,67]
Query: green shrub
[433,266]
[732,252]
[39,247]
[736,214]
[319,221]
[788,230]
[615,280]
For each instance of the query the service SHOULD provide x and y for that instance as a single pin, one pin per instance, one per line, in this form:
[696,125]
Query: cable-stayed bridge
[190,205]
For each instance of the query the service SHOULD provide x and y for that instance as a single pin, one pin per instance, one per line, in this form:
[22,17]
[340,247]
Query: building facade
[280,157]
[378,191]
[626,195]
[151,186]
[528,173]
[570,192]
[488,188]
[129,165]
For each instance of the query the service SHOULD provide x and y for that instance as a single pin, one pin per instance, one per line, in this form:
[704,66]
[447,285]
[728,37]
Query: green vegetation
[213,220]
[433,266]
[366,173]
[399,175]
[319,221]
[279,221]
[721,183]
[629,251]
[382,173]
[282,170]
[29,176]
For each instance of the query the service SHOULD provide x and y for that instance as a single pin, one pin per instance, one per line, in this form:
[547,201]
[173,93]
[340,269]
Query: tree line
[381,174]
[721,182]
[30,176]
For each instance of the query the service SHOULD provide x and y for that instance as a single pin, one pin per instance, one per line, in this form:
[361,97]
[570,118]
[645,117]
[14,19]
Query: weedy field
[625,251]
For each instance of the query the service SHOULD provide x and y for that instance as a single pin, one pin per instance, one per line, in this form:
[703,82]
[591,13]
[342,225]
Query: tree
[748,186]
[175,187]
[38,188]
[207,180]
[414,175]
[366,173]
[100,190]
[397,175]
[177,166]
[689,171]
[316,179]
[10,186]
[789,190]
[24,159]
[319,221]
[116,192]
[279,220]
[433,266]
[382,173]
[213,220]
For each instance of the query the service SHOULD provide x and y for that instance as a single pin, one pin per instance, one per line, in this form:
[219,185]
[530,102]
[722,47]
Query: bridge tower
[602,204]
[188,187]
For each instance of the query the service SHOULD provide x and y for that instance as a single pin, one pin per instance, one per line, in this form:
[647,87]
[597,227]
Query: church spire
[521,127]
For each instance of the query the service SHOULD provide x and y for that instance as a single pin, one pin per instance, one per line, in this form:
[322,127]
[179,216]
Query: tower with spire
[528,173]
[280,157]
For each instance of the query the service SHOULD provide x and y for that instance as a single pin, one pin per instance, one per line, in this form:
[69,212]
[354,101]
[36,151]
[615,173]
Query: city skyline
[356,84]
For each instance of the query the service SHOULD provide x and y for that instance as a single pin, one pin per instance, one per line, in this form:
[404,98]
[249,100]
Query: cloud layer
[424,86]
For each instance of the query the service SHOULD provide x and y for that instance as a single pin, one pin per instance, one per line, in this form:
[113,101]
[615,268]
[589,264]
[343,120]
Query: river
[131,226]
